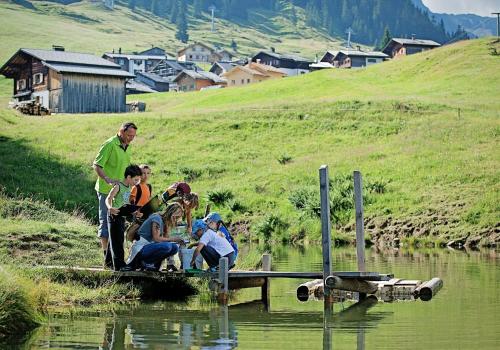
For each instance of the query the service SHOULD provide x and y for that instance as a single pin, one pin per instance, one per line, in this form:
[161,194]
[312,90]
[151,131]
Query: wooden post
[223,280]
[207,210]
[266,287]
[360,233]
[325,230]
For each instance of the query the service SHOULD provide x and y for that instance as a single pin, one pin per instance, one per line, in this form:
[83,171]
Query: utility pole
[212,9]
[498,23]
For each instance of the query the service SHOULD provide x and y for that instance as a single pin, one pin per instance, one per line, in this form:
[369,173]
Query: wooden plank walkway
[233,274]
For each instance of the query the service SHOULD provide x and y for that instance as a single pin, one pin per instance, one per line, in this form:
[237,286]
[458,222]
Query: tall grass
[20,306]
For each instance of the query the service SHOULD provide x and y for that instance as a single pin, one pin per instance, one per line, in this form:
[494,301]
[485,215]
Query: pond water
[464,315]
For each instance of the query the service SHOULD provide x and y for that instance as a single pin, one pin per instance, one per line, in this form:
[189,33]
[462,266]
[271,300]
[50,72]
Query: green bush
[272,224]
[284,159]
[190,174]
[307,200]
[220,196]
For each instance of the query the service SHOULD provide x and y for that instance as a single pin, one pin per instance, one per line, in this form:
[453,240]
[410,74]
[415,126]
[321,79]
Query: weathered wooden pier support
[352,285]
[427,290]
[308,288]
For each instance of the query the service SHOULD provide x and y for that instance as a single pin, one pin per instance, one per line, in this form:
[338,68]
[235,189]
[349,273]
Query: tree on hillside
[385,38]
[234,45]
[131,4]
[293,15]
[174,11]
[197,7]
[182,25]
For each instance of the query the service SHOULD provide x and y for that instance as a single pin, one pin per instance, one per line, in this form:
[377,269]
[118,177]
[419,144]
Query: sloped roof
[285,56]
[201,75]
[348,52]
[68,57]
[264,68]
[404,41]
[226,66]
[135,57]
[64,62]
[138,86]
[83,69]
[155,77]
[245,69]
[181,51]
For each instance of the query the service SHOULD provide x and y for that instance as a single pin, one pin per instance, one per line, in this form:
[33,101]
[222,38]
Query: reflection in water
[182,330]
[353,317]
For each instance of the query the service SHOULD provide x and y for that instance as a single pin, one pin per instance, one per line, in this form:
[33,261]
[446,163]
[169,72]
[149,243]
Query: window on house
[372,60]
[243,81]
[248,81]
[192,87]
[233,82]
[37,78]
[21,84]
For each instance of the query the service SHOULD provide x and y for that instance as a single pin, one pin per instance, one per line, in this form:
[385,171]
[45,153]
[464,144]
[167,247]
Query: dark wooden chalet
[154,81]
[67,82]
[289,64]
[350,58]
[399,47]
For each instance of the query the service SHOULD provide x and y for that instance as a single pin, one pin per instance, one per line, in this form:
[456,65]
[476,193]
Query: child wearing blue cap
[212,245]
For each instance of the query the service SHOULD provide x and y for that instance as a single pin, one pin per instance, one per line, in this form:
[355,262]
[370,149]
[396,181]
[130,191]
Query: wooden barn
[67,82]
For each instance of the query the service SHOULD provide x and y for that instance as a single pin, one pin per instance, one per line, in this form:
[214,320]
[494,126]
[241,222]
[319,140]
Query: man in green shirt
[109,164]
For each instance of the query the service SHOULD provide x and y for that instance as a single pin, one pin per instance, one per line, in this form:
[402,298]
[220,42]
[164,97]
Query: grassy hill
[431,172]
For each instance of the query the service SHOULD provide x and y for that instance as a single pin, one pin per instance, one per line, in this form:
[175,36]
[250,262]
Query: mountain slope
[479,26]
[90,27]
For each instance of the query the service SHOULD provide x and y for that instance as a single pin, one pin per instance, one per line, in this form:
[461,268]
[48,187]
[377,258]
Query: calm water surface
[464,315]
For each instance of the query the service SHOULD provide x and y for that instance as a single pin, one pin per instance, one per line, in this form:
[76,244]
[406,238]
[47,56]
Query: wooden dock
[331,285]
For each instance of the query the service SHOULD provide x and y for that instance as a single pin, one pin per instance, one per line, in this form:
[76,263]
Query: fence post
[360,232]
[325,232]
[266,287]
[224,281]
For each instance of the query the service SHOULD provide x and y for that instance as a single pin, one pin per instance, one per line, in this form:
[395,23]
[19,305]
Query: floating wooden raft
[391,290]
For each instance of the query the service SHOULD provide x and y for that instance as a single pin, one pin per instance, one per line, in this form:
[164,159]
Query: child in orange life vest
[142,192]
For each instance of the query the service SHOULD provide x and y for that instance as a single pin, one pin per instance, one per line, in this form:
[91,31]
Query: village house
[137,62]
[220,68]
[190,80]
[67,82]
[253,72]
[199,52]
[399,47]
[289,64]
[170,67]
[154,81]
[350,58]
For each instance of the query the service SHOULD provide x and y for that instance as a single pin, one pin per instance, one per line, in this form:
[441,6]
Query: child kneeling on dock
[154,244]
[212,245]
